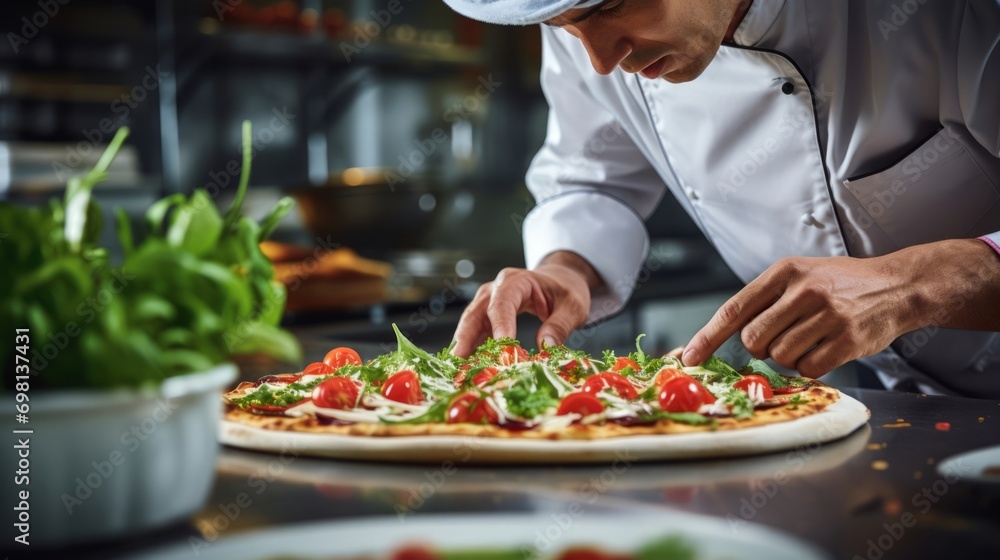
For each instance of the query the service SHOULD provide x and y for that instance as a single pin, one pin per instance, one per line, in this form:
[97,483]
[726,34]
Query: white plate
[969,466]
[712,538]
[838,420]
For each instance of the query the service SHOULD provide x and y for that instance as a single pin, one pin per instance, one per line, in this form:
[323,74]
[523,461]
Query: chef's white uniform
[829,128]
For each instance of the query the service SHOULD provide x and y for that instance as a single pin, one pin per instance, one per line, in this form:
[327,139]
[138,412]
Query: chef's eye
[611,10]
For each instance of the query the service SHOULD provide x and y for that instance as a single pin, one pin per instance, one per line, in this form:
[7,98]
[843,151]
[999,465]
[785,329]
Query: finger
[795,342]
[563,319]
[824,358]
[675,353]
[731,317]
[473,327]
[511,292]
[759,334]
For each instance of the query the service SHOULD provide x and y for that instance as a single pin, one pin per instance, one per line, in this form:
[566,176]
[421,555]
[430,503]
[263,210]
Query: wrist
[944,277]
[575,263]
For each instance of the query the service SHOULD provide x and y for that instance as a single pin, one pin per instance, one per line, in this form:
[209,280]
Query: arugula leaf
[669,548]
[723,371]
[436,413]
[741,405]
[265,396]
[639,356]
[524,402]
[692,418]
[760,367]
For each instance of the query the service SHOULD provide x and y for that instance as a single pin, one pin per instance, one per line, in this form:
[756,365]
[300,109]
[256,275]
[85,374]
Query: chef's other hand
[815,314]
[557,291]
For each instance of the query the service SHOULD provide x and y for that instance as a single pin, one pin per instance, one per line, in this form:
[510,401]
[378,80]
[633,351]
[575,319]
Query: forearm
[954,284]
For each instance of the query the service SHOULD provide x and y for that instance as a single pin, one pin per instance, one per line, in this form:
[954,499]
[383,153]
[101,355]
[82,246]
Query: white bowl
[110,463]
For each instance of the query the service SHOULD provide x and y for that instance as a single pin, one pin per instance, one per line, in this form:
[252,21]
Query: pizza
[505,391]
[672,547]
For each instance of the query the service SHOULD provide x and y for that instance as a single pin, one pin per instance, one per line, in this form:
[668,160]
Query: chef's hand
[557,291]
[815,314]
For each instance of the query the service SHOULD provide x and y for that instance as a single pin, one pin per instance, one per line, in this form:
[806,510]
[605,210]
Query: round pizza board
[836,421]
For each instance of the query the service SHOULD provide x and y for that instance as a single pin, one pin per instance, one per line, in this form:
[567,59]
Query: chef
[843,158]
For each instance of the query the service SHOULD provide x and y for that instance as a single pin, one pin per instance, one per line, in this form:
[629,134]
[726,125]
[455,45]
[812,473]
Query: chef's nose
[606,52]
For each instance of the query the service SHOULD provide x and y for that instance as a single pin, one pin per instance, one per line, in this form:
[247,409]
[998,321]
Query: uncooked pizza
[505,391]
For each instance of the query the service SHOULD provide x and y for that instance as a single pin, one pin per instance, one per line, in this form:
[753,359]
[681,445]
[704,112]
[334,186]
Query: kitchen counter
[846,497]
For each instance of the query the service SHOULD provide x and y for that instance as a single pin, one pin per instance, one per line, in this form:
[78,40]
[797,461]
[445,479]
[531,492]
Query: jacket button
[809,220]
[787,88]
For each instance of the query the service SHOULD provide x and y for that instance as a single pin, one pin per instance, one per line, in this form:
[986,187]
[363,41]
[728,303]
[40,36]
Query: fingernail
[686,356]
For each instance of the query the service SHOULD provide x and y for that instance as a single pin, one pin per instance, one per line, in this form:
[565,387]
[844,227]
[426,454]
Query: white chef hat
[516,12]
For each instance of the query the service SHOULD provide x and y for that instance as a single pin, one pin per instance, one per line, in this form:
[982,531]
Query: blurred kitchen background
[402,130]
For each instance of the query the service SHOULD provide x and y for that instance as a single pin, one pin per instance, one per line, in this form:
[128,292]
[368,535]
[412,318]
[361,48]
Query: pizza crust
[819,396]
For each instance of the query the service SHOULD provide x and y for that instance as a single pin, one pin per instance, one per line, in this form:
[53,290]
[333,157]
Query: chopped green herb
[740,403]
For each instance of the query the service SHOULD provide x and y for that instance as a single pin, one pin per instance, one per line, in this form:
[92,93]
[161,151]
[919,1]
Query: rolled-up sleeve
[592,185]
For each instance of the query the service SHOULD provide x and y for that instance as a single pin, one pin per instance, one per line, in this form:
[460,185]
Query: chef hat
[516,12]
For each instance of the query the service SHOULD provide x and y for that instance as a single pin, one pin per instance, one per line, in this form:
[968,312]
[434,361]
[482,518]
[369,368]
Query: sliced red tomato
[404,387]
[317,368]
[338,392]
[667,374]
[484,376]
[573,369]
[623,362]
[541,356]
[339,357]
[597,383]
[470,407]
[462,373]
[580,403]
[513,354]
[750,380]
[683,395]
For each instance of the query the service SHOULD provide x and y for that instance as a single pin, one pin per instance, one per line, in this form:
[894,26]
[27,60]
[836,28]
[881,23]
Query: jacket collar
[757,22]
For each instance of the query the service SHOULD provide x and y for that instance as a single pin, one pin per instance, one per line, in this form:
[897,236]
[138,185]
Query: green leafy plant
[196,290]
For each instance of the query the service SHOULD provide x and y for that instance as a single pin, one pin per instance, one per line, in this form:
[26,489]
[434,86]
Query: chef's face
[670,39]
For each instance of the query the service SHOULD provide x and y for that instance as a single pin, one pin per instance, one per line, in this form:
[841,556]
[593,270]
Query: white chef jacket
[854,127]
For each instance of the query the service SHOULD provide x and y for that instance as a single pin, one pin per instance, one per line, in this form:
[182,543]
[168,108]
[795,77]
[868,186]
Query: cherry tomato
[623,362]
[415,552]
[317,368]
[404,387]
[583,404]
[470,407]
[513,354]
[596,383]
[584,554]
[749,380]
[668,374]
[339,357]
[484,376]
[683,394]
[339,392]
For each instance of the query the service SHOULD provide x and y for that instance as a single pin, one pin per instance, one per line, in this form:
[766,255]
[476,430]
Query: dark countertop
[837,495]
